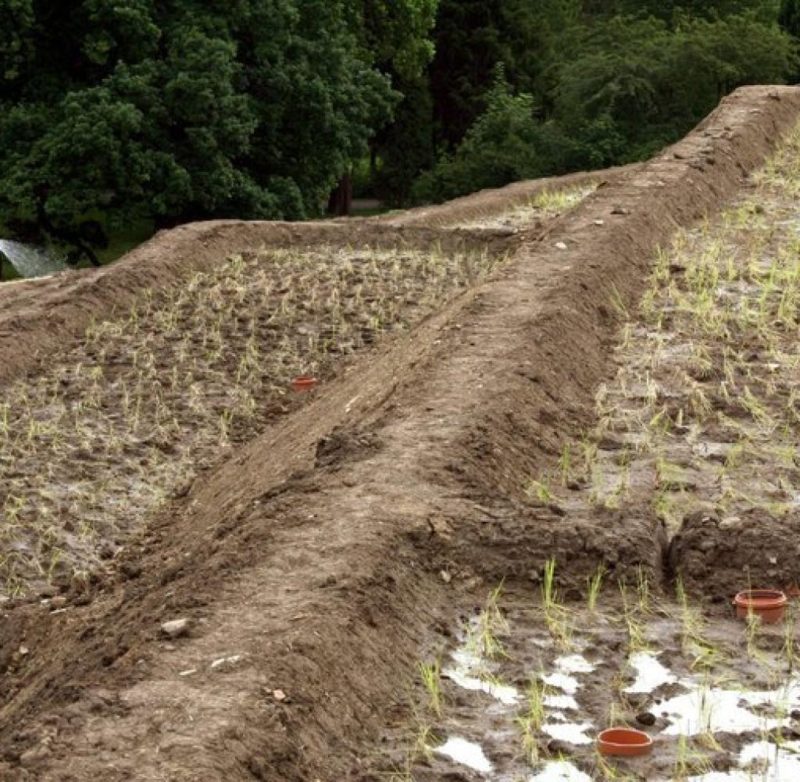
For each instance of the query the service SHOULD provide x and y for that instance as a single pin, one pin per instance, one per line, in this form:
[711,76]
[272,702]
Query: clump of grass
[556,201]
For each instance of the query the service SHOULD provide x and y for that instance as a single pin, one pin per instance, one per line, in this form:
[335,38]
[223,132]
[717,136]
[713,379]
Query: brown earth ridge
[309,562]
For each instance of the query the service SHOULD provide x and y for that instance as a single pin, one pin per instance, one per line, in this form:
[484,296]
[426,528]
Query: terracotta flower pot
[304,383]
[768,604]
[624,742]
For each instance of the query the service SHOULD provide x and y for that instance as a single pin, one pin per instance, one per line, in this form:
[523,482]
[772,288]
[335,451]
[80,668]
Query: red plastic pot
[768,604]
[624,742]
[304,383]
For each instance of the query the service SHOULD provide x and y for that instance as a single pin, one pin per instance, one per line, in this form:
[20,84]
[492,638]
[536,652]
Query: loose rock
[175,628]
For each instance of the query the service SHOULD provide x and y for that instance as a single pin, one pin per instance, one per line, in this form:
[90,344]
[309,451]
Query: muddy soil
[694,448]
[311,565]
[519,687]
[130,415]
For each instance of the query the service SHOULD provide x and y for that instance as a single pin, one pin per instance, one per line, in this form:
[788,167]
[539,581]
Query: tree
[179,109]
[506,143]
[473,36]
[647,82]
[789,20]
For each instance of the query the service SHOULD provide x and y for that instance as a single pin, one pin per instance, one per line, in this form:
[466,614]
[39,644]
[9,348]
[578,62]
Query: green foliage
[397,33]
[473,36]
[645,83]
[144,112]
[505,144]
[611,86]
[184,109]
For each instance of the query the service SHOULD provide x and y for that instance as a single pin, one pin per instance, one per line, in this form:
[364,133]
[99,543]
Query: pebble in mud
[175,628]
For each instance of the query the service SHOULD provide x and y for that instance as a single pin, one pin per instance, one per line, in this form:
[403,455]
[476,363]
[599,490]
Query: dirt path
[313,563]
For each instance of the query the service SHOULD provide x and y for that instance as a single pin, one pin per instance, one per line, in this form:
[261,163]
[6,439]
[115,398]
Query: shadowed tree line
[114,112]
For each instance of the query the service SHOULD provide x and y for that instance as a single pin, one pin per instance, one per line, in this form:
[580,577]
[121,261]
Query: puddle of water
[761,761]
[569,732]
[783,762]
[463,675]
[562,681]
[560,771]
[504,693]
[726,711]
[650,673]
[467,753]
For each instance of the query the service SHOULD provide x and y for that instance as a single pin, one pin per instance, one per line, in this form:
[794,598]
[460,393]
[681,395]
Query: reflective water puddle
[650,673]
[467,753]
[711,710]
[463,674]
[560,771]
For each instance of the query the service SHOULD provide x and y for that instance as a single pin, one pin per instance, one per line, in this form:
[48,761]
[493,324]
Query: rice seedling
[637,640]
[540,490]
[556,615]
[431,675]
[483,637]
[595,585]
[530,722]
[565,465]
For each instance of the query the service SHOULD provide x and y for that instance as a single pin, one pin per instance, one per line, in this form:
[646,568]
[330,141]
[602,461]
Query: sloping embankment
[309,562]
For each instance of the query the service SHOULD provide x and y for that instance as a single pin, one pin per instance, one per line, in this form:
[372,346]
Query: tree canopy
[112,111]
[184,109]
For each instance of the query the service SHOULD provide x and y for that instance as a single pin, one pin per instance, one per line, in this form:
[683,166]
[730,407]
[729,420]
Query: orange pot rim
[304,381]
[761,599]
[624,741]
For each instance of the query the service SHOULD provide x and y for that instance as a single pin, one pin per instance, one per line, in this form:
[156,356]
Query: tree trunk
[342,198]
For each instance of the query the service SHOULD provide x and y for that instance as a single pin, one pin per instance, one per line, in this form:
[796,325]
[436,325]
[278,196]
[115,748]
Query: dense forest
[116,113]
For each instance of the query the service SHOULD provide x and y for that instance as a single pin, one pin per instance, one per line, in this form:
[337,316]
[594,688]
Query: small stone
[445,576]
[224,663]
[23,650]
[561,245]
[646,718]
[175,628]
[599,222]
[279,695]
[59,601]
[188,672]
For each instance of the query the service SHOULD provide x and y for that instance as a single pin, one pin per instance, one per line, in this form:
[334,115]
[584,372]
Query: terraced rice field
[553,431]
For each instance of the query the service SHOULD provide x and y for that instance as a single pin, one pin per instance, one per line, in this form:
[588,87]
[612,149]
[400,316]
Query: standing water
[30,261]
